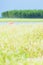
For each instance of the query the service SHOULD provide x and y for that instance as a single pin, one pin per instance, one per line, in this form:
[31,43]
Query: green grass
[21,44]
[21,20]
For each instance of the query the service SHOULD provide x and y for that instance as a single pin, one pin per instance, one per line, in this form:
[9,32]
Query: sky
[6,5]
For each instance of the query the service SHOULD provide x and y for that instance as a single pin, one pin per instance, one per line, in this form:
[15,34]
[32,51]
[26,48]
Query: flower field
[21,44]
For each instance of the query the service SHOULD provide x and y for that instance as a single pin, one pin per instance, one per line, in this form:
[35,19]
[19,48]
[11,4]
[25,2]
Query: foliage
[23,14]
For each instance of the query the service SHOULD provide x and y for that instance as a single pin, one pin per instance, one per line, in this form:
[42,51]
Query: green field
[21,20]
[21,44]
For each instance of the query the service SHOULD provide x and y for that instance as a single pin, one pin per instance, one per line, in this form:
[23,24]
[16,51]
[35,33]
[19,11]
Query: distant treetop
[23,14]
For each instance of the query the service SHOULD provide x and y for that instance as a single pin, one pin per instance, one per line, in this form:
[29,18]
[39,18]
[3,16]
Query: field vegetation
[21,44]
[21,19]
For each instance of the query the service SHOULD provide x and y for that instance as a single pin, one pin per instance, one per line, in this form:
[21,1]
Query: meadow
[21,19]
[21,44]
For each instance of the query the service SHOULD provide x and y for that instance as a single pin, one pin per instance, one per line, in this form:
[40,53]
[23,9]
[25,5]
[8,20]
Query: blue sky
[20,4]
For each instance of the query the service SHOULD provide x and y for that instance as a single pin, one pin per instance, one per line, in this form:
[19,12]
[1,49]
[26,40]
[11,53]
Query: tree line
[23,14]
